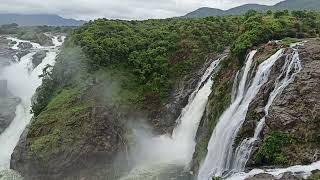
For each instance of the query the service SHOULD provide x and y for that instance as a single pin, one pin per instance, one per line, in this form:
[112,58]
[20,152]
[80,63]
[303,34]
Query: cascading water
[218,159]
[158,154]
[23,84]
[299,170]
[290,69]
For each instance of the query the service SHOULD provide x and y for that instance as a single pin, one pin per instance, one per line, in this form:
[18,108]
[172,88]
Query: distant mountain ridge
[38,20]
[287,4]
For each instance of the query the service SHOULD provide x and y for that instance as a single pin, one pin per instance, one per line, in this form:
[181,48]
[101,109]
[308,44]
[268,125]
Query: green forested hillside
[157,53]
[109,63]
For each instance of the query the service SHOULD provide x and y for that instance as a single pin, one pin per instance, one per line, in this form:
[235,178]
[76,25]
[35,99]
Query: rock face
[25,45]
[38,58]
[91,146]
[43,40]
[8,106]
[285,176]
[291,135]
[6,54]
[22,53]
[7,111]
[164,118]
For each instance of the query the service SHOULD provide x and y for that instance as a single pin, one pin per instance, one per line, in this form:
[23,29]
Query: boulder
[22,53]
[7,111]
[38,58]
[25,45]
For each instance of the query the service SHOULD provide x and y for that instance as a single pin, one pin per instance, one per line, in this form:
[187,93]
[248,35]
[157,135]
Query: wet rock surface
[22,53]
[24,45]
[294,115]
[285,176]
[7,111]
[6,54]
[38,58]
[164,119]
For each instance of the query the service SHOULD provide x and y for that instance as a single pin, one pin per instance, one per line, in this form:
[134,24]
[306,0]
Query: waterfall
[218,159]
[23,84]
[191,115]
[160,153]
[290,69]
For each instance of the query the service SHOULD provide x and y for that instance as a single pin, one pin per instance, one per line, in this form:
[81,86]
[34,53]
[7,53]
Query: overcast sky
[120,9]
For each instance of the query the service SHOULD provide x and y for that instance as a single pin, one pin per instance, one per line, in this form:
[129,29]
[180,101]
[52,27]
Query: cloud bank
[118,9]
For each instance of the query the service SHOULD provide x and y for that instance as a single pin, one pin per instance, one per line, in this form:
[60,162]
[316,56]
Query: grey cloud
[120,9]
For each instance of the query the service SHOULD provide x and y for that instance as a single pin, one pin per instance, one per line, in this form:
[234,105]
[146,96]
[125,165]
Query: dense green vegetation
[270,153]
[142,60]
[157,52]
[260,28]
[110,63]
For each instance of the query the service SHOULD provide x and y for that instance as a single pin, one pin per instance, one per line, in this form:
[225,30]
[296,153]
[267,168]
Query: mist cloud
[117,9]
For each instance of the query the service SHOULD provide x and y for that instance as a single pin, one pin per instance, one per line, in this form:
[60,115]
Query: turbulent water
[299,171]
[218,159]
[290,69]
[161,154]
[22,82]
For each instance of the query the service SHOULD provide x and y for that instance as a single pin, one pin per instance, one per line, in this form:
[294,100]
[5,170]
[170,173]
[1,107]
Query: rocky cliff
[294,117]
[291,134]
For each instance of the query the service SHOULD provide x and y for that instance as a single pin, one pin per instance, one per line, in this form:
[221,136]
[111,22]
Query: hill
[38,20]
[288,4]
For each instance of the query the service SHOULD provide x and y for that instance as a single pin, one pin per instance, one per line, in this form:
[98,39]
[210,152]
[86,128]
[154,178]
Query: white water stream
[290,69]
[218,159]
[23,84]
[162,152]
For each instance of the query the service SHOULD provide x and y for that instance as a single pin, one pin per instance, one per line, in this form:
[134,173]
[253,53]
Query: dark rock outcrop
[22,53]
[38,58]
[7,111]
[25,45]
[43,40]
[284,176]
[8,106]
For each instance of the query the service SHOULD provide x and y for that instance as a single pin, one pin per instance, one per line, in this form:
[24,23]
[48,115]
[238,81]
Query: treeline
[158,52]
[20,30]
[259,28]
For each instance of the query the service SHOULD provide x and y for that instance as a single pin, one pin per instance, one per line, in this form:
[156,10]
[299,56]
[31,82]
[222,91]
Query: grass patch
[56,130]
[288,41]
